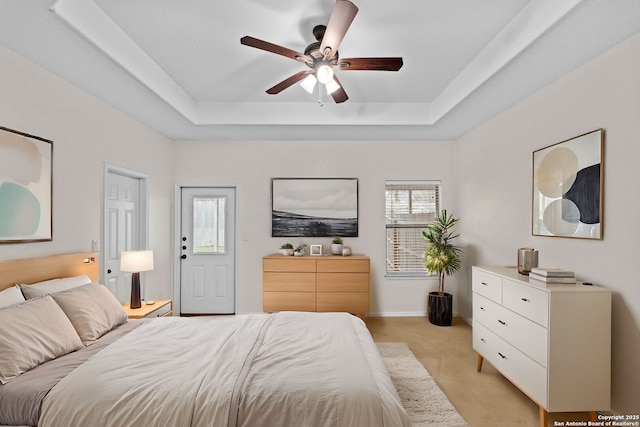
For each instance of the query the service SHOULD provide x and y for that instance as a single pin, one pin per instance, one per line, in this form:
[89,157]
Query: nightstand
[160,308]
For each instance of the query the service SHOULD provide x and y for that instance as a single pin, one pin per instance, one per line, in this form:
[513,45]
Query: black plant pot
[440,309]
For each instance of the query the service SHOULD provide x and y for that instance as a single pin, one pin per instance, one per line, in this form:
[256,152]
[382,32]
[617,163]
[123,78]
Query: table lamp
[135,262]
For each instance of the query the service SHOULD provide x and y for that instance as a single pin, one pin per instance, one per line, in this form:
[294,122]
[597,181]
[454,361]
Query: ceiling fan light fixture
[309,83]
[324,73]
[331,86]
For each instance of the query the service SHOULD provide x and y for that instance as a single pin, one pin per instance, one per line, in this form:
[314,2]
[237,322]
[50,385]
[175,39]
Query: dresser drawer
[288,282]
[343,282]
[488,285]
[350,302]
[289,264]
[343,265]
[523,334]
[528,375]
[288,301]
[529,302]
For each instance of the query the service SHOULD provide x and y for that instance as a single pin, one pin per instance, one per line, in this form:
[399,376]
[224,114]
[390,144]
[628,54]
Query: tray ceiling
[179,67]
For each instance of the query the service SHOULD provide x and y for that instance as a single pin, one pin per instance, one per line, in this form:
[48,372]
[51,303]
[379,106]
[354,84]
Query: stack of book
[553,275]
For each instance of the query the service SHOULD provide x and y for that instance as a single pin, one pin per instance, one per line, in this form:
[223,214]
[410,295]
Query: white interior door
[207,250]
[121,230]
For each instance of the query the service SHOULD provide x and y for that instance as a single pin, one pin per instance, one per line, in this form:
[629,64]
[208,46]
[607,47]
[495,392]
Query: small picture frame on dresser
[315,250]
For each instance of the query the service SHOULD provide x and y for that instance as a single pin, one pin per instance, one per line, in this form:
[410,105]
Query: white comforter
[271,370]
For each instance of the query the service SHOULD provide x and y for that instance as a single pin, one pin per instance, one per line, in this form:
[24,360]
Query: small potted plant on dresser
[442,257]
[336,246]
[286,249]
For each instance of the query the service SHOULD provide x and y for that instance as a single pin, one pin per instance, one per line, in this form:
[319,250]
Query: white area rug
[423,400]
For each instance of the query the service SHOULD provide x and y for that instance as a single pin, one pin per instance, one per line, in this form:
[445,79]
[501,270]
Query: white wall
[86,133]
[251,165]
[494,189]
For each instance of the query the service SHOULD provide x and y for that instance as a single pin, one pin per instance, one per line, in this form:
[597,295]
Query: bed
[100,369]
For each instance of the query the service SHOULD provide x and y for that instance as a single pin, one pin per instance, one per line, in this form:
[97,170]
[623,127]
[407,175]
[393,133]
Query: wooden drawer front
[525,373]
[287,282]
[349,302]
[488,285]
[525,335]
[528,302]
[343,282]
[343,265]
[288,301]
[292,264]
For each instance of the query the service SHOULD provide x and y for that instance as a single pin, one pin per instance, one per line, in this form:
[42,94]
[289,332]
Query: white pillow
[92,309]
[54,285]
[33,333]
[11,296]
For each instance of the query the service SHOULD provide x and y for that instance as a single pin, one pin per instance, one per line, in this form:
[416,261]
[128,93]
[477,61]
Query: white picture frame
[315,250]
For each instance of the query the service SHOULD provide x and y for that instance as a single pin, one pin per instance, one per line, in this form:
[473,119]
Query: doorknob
[183,257]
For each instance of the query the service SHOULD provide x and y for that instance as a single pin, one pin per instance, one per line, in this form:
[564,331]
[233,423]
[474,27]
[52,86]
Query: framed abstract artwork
[314,207]
[568,188]
[25,187]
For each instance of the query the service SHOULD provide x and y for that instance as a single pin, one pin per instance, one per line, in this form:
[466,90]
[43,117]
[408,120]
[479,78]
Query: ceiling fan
[322,55]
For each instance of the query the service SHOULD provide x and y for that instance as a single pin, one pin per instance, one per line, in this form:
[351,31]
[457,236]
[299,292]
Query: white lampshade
[332,86]
[136,261]
[309,83]
[324,73]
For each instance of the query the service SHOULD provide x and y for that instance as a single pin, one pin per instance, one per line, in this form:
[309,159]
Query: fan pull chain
[320,95]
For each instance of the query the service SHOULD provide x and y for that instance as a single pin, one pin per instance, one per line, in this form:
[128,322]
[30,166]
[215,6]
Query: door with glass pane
[207,251]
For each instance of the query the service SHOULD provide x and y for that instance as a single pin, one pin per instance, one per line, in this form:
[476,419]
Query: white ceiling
[179,67]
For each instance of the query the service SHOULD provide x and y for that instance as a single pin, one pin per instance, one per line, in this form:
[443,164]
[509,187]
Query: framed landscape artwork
[568,189]
[25,187]
[314,207]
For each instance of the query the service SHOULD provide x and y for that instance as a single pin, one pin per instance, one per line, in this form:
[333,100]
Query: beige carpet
[423,400]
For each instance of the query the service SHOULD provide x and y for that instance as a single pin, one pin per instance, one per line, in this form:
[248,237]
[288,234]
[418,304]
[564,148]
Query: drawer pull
[484,283]
[502,322]
[482,308]
[482,339]
[524,299]
[502,355]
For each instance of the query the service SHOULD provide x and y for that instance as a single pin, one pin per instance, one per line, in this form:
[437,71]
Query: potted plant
[336,246]
[300,249]
[286,249]
[442,257]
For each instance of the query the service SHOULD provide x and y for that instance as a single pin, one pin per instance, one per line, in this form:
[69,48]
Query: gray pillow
[92,309]
[47,287]
[32,333]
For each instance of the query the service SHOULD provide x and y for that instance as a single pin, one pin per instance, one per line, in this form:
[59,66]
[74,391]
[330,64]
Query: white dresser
[552,341]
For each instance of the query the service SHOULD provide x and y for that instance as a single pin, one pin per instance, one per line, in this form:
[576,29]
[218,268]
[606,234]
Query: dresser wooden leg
[479,365]
[544,417]
[593,415]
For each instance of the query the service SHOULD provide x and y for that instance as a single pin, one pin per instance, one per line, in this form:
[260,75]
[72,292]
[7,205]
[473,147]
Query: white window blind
[410,207]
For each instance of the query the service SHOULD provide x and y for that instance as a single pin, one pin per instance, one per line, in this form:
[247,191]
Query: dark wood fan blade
[287,82]
[377,64]
[341,17]
[339,95]
[274,48]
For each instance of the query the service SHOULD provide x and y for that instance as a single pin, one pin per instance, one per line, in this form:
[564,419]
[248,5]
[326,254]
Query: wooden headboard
[32,270]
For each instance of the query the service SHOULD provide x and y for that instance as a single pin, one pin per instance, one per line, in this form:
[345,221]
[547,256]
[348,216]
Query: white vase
[336,248]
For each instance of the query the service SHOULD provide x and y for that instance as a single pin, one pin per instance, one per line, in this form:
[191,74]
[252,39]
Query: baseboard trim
[399,314]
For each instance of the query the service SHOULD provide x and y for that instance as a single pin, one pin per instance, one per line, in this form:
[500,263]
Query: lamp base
[135,291]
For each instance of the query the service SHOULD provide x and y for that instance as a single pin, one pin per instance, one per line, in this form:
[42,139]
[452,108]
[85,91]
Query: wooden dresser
[552,341]
[310,283]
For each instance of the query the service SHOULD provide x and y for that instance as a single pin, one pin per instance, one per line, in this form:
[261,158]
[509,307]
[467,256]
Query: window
[208,225]
[410,207]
